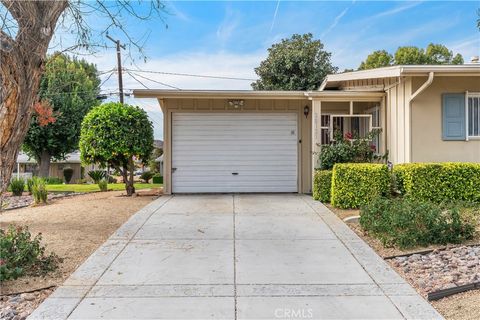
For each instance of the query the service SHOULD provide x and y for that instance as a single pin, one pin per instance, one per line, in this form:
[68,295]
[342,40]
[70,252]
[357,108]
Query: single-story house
[269,141]
[27,166]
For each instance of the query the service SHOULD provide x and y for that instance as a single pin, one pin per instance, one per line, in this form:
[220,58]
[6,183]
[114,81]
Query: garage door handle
[235,173]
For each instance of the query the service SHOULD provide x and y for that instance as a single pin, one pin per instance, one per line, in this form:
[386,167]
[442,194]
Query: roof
[73,157]
[249,94]
[332,80]
[230,94]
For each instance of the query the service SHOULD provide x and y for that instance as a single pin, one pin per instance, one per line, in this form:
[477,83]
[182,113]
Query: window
[473,115]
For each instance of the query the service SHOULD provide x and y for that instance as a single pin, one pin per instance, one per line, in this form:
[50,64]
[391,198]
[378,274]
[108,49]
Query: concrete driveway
[280,256]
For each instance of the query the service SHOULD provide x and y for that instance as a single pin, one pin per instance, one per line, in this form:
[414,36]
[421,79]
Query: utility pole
[119,66]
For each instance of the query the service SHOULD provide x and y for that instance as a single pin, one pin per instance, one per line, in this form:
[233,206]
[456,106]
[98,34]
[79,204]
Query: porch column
[316,133]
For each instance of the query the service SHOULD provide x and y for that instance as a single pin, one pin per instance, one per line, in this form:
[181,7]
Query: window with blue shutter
[453,116]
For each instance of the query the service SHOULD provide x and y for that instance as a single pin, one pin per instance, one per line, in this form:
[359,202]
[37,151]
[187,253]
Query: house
[269,141]
[27,166]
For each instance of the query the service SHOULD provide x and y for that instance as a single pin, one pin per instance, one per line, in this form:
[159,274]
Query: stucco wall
[250,105]
[427,143]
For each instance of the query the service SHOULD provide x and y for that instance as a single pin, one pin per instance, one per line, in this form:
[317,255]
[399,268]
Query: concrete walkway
[235,257]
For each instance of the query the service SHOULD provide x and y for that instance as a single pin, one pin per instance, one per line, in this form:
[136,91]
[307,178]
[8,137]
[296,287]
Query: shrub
[20,254]
[97,175]
[322,185]
[407,223]
[349,149]
[146,176]
[39,191]
[17,185]
[103,185]
[111,179]
[29,185]
[157,178]
[68,174]
[356,184]
[53,180]
[439,182]
[81,181]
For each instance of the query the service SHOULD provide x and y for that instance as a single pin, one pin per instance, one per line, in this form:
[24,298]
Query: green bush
[17,186]
[39,191]
[356,184]
[322,185]
[407,223]
[146,176]
[97,175]
[349,148]
[157,178]
[29,185]
[439,182]
[68,174]
[20,254]
[103,184]
[53,180]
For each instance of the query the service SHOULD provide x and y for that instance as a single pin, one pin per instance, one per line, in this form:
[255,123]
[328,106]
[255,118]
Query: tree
[377,59]
[70,87]
[410,55]
[433,54]
[439,54]
[296,63]
[27,28]
[114,135]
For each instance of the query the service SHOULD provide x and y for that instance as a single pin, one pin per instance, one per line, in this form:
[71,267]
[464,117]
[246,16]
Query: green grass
[94,187]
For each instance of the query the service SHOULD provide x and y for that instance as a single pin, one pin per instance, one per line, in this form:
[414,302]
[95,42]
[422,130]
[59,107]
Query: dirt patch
[73,228]
[461,306]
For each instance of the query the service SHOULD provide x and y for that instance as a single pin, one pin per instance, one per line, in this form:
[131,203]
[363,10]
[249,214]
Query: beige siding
[250,105]
[397,121]
[56,170]
[427,143]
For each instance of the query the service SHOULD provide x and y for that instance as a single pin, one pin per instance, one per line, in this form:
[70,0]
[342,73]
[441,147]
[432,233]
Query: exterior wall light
[306,111]
[236,103]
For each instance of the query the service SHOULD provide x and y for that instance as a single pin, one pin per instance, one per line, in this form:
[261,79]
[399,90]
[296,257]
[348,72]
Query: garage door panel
[260,148]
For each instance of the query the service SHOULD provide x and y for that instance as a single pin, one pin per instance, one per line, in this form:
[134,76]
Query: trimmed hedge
[322,185]
[157,178]
[439,182]
[356,184]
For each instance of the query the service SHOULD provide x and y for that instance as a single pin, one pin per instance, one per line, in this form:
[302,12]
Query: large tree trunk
[44,164]
[21,66]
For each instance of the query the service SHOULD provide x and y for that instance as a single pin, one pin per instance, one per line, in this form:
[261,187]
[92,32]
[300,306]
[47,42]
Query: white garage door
[233,152]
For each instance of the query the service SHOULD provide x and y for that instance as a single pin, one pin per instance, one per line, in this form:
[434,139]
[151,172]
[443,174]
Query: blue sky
[231,38]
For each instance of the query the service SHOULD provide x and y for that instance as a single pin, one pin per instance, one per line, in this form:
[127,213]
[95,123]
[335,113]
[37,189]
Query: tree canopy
[296,63]
[409,55]
[377,59]
[70,87]
[114,135]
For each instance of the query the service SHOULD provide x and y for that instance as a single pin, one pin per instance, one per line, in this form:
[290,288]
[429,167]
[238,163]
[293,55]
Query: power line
[131,75]
[159,82]
[190,75]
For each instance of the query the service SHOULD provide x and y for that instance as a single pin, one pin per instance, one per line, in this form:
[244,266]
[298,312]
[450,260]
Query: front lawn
[94,187]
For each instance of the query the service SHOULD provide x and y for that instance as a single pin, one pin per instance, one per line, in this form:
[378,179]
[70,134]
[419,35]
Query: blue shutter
[453,116]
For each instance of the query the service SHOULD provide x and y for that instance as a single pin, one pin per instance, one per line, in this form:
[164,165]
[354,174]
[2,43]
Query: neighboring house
[269,141]
[28,166]
[159,160]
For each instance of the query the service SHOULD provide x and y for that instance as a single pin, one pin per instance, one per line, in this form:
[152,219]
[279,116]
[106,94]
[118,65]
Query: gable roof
[333,80]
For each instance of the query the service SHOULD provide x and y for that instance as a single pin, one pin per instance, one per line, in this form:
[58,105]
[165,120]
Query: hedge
[407,223]
[439,182]
[322,184]
[157,178]
[356,184]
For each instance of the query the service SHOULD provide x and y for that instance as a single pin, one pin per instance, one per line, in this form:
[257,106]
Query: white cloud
[228,26]
[467,47]
[396,10]
[335,22]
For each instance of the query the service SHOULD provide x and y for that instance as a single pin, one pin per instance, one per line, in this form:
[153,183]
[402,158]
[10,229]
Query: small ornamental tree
[115,134]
